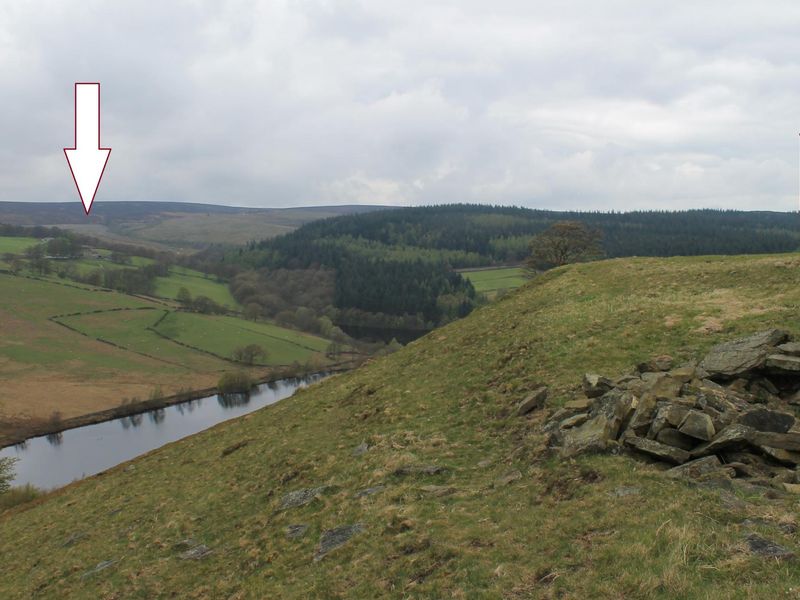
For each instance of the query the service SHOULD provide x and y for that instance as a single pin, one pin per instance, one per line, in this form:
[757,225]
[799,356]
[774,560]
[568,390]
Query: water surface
[55,460]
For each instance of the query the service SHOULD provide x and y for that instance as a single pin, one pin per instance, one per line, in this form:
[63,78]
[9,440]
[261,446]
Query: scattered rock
[579,405]
[101,566]
[786,457]
[296,531]
[532,401]
[762,419]
[420,470]
[574,421]
[784,441]
[792,488]
[369,491]
[623,491]
[508,478]
[334,538]
[74,539]
[299,498]
[595,385]
[657,449]
[199,552]
[234,448]
[439,490]
[697,425]
[667,415]
[360,449]
[767,548]
[697,469]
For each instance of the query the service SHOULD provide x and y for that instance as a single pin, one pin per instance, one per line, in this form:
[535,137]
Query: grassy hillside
[498,520]
[72,349]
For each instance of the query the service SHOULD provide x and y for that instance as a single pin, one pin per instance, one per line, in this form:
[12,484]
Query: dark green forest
[400,262]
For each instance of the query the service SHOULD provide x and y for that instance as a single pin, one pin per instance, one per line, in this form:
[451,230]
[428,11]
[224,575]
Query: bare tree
[563,243]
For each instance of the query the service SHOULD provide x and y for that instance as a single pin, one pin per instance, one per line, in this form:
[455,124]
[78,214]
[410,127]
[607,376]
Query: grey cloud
[576,104]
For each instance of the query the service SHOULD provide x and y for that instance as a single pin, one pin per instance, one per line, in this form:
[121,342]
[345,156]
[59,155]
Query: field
[500,519]
[198,285]
[52,360]
[16,245]
[491,281]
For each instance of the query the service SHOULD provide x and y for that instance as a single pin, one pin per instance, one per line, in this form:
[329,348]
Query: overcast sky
[592,105]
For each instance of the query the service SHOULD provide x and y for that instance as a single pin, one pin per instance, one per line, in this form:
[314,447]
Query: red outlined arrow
[86,159]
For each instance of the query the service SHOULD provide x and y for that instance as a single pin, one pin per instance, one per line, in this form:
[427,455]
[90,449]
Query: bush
[235,382]
[249,354]
[6,473]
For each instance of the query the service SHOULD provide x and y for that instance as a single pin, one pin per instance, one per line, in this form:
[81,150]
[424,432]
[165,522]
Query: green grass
[222,334]
[197,284]
[15,245]
[490,281]
[558,531]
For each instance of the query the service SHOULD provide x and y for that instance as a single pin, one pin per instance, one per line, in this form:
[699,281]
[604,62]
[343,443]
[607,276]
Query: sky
[613,105]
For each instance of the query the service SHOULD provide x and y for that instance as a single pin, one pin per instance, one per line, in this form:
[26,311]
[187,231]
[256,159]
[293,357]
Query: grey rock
[596,385]
[786,457]
[732,437]
[440,490]
[782,363]
[101,566]
[668,415]
[297,531]
[697,425]
[362,448]
[582,404]
[763,419]
[658,450]
[624,491]
[784,441]
[643,414]
[742,355]
[767,548]
[74,539]
[697,469]
[199,552]
[673,437]
[791,348]
[369,491]
[592,436]
[535,399]
[666,388]
[420,470]
[185,544]
[336,537]
[302,497]
[574,421]
[508,478]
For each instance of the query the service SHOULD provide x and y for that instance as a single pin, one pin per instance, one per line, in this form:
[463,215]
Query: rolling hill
[170,224]
[419,466]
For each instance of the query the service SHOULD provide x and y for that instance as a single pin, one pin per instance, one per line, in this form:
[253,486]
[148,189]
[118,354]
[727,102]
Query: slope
[470,505]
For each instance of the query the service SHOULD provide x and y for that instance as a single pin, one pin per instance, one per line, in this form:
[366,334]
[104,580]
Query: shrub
[235,382]
[6,473]
[249,354]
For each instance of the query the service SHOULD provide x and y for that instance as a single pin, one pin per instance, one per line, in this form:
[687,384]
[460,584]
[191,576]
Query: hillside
[169,224]
[452,494]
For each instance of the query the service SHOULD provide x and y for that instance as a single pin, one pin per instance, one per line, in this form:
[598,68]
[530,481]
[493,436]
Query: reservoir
[55,460]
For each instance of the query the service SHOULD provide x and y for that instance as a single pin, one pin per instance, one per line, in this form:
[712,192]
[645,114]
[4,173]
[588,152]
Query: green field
[503,518]
[491,281]
[16,245]
[197,283]
[222,334]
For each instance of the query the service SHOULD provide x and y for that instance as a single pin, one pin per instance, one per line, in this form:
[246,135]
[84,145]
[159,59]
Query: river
[51,461]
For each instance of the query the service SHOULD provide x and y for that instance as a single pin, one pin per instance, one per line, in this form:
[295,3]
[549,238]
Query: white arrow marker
[86,159]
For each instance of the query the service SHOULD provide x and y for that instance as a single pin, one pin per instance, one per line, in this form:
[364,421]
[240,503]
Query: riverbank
[14,432]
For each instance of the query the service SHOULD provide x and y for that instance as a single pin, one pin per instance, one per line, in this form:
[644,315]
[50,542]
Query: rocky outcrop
[731,415]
